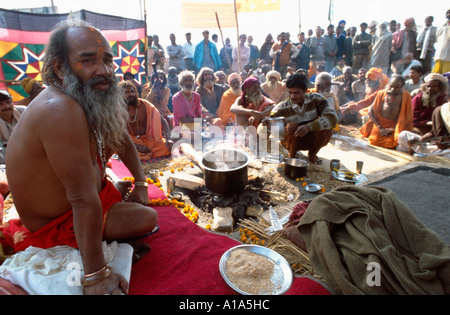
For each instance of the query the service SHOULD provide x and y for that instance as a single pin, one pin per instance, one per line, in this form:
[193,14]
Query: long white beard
[272,85]
[105,110]
[236,92]
[256,99]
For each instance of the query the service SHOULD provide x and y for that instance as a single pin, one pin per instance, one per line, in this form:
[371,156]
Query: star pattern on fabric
[29,66]
[130,61]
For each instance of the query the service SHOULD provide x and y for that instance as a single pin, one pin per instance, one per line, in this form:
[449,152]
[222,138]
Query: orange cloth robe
[223,112]
[153,139]
[404,122]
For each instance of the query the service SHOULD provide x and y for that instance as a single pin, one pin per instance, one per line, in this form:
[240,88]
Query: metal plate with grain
[282,275]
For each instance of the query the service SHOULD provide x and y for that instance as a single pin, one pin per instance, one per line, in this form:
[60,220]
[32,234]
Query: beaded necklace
[101,151]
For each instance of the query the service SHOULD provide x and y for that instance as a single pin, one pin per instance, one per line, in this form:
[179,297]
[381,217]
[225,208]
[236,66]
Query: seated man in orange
[228,99]
[145,125]
[353,112]
[390,114]
[252,106]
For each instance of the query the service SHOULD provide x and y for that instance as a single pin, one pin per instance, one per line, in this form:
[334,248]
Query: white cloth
[424,147]
[442,44]
[58,270]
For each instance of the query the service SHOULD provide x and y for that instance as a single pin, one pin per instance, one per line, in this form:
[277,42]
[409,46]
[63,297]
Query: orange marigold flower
[304,184]
[172,170]
[161,173]
[208,227]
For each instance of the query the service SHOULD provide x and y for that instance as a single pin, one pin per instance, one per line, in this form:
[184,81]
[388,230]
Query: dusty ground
[378,163]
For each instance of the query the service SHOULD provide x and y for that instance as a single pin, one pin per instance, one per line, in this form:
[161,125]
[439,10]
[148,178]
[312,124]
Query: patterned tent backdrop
[23,37]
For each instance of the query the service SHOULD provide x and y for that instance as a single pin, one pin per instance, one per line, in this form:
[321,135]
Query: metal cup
[359,166]
[154,174]
[335,164]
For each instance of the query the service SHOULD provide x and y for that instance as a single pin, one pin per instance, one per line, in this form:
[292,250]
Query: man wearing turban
[252,105]
[432,95]
[32,87]
[352,112]
[228,99]
[274,88]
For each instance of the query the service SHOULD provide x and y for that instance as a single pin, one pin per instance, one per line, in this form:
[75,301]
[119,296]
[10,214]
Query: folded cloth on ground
[352,229]
[58,270]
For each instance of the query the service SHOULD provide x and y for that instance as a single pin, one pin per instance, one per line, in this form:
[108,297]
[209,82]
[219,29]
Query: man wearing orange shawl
[351,112]
[145,125]
[390,114]
[228,99]
[252,106]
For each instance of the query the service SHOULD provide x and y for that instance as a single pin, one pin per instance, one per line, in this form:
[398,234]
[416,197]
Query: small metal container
[176,195]
[359,166]
[277,127]
[335,164]
[154,174]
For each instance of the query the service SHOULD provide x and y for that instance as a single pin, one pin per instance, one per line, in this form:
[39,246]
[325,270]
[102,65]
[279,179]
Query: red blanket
[184,259]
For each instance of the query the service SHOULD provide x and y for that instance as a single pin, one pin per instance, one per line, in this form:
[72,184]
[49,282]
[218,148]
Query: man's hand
[142,148]
[385,132]
[114,284]
[302,131]
[139,195]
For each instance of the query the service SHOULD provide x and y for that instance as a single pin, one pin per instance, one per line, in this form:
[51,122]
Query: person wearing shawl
[145,125]
[32,87]
[252,106]
[274,88]
[228,99]
[433,94]
[352,112]
[206,54]
[390,114]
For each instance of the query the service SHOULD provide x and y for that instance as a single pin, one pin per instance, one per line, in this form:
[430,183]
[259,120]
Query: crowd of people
[350,67]
[346,66]
[386,77]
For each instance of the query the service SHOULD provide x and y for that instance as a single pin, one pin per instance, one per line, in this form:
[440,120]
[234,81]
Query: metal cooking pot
[277,127]
[225,170]
[295,168]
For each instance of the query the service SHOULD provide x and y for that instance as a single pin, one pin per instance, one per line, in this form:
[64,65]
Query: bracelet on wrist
[142,184]
[96,277]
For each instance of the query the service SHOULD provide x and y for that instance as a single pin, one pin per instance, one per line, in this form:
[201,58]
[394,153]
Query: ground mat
[425,191]
[184,259]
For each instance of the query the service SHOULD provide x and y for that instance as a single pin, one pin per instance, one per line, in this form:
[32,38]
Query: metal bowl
[313,188]
[282,275]
[176,195]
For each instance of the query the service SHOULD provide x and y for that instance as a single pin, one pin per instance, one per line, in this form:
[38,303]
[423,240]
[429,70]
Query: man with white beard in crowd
[381,48]
[252,106]
[274,88]
[433,94]
[228,99]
